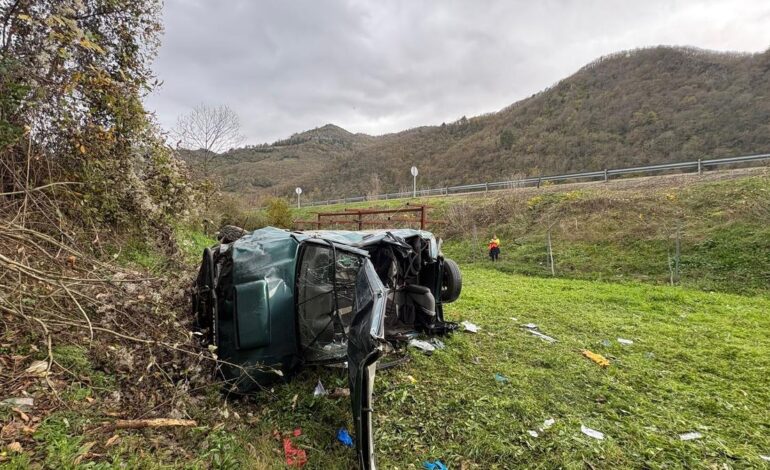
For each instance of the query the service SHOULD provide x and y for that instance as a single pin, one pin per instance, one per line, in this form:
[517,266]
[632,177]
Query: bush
[278,213]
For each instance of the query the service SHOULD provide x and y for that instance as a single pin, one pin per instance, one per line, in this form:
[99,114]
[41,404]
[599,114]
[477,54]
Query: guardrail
[700,165]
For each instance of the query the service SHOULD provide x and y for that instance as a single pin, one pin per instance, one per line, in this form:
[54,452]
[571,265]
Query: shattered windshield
[325,300]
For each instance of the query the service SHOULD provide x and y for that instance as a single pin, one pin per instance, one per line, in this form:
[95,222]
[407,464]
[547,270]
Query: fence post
[539,180]
[486,187]
[700,167]
[606,176]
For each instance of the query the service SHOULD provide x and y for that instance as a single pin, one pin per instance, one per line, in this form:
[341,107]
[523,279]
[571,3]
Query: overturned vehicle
[273,301]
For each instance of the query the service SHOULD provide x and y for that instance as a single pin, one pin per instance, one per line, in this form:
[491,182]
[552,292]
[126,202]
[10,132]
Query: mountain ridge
[628,108]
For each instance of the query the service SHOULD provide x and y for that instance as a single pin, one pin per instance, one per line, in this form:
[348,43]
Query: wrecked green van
[273,301]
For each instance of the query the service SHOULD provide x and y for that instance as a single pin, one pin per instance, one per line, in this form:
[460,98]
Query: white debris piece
[532,433]
[319,390]
[625,341]
[690,436]
[38,369]
[548,423]
[766,458]
[530,326]
[470,326]
[542,336]
[24,403]
[592,432]
[514,319]
[423,345]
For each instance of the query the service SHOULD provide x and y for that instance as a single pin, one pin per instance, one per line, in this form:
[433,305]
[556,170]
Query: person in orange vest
[494,248]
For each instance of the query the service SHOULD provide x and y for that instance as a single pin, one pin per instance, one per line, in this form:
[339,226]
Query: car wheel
[451,282]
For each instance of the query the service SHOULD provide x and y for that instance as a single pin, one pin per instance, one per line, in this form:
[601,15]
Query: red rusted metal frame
[322,217]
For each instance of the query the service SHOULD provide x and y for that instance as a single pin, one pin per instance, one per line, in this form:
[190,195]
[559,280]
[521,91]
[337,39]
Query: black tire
[451,281]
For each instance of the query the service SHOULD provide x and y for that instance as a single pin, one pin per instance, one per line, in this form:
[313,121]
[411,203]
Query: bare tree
[210,130]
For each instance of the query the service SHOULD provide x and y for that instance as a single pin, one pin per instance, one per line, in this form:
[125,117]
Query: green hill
[631,108]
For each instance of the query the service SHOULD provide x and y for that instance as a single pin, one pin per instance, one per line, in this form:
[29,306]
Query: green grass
[699,362]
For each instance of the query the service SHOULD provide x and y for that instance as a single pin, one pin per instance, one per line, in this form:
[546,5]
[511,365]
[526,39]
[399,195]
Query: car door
[366,340]
[340,304]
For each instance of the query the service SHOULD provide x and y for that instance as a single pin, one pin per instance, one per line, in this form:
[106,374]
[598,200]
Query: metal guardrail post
[539,181]
[700,166]
[606,176]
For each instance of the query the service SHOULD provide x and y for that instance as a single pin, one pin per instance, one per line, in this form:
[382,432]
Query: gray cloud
[385,66]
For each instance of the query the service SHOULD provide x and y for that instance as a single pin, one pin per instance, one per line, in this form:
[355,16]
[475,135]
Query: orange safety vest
[494,243]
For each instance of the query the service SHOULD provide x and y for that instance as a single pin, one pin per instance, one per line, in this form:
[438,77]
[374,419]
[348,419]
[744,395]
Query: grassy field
[699,362]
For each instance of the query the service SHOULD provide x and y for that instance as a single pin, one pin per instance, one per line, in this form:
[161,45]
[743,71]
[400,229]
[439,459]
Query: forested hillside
[630,108]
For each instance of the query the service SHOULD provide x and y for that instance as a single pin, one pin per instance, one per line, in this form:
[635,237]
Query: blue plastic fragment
[500,378]
[435,465]
[344,437]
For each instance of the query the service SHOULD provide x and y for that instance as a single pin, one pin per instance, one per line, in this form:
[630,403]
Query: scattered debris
[627,342]
[344,437]
[529,326]
[319,390]
[592,433]
[606,343]
[540,335]
[294,456]
[514,319]
[437,343]
[435,465]
[38,369]
[339,393]
[690,436]
[547,423]
[22,403]
[597,358]
[500,378]
[532,433]
[425,346]
[468,326]
[766,458]
[153,423]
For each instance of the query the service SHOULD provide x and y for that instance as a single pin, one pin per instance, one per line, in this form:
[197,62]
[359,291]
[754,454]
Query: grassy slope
[622,231]
[699,362]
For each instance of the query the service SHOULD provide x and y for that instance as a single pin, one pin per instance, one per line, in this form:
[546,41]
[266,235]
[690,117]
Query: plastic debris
[606,343]
[529,326]
[514,319]
[592,432]
[38,369]
[435,465]
[422,345]
[532,433]
[627,342]
[766,458]
[437,343]
[23,403]
[542,336]
[500,378]
[319,390]
[344,437]
[468,326]
[548,423]
[294,456]
[597,358]
[690,436]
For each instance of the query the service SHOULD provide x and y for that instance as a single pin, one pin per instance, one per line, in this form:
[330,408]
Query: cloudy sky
[386,65]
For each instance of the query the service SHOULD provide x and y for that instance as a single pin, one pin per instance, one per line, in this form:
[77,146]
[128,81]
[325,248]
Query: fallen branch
[39,188]
[153,423]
